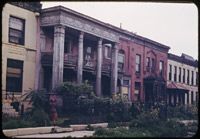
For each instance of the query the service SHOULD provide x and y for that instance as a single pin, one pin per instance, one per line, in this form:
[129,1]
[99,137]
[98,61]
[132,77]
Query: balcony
[47,58]
[69,59]
[89,64]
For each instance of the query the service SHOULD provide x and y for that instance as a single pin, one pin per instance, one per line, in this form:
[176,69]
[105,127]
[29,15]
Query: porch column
[58,56]
[114,69]
[99,64]
[80,58]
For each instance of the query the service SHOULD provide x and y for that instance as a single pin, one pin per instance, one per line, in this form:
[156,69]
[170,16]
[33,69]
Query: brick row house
[75,47]
[43,48]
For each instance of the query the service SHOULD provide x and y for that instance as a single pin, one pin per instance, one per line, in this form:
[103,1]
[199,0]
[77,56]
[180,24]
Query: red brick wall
[131,49]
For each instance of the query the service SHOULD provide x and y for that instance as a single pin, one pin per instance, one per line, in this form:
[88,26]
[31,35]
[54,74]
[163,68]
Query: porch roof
[174,85]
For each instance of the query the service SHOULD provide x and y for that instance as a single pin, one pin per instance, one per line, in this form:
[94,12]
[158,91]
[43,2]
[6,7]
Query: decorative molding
[31,6]
[80,24]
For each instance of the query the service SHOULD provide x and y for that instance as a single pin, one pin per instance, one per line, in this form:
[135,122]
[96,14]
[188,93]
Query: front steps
[8,109]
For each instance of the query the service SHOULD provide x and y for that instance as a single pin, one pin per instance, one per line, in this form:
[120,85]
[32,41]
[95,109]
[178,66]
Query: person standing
[53,113]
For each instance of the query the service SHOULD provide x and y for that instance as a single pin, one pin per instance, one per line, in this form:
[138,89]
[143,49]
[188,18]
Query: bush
[17,123]
[39,117]
[121,132]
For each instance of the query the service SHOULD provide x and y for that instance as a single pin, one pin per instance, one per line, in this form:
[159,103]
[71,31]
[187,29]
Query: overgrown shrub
[17,123]
[39,117]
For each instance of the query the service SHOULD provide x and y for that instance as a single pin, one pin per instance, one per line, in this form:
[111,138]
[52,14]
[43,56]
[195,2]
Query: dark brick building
[75,47]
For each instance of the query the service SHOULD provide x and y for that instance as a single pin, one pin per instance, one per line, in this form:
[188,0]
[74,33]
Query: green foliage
[37,98]
[149,120]
[121,132]
[73,89]
[17,123]
[186,112]
[40,116]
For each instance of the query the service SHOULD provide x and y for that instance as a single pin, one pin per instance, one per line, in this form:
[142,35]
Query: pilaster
[99,65]
[80,58]
[114,69]
[58,56]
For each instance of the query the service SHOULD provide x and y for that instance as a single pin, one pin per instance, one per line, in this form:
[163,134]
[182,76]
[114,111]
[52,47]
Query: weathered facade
[182,79]
[19,45]
[75,47]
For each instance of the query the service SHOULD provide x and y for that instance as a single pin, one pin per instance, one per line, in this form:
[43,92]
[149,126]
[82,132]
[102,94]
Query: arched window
[121,60]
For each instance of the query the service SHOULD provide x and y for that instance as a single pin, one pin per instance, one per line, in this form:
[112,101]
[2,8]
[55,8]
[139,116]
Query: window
[148,63]
[196,78]
[183,75]
[67,45]
[179,76]
[137,92]
[108,51]
[16,30]
[14,75]
[188,98]
[88,53]
[161,68]
[153,65]
[188,77]
[196,96]
[170,72]
[192,78]
[126,82]
[121,60]
[138,60]
[175,73]
[192,99]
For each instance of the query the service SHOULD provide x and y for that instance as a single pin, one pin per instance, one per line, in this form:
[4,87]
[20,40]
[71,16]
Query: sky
[171,24]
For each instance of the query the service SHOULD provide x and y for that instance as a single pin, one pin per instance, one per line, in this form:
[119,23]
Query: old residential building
[19,41]
[75,47]
[182,79]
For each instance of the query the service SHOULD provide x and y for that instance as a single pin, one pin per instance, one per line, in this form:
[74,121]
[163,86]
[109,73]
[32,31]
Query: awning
[174,85]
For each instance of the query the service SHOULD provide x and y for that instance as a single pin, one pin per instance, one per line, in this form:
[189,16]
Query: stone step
[59,130]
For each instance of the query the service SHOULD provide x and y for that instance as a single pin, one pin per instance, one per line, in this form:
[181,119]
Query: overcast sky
[172,24]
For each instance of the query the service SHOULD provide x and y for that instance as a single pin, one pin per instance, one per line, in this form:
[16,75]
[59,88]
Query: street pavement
[77,134]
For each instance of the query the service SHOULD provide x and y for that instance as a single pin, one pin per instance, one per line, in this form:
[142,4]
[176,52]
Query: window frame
[138,64]
[22,38]
[170,72]
[179,74]
[188,76]
[18,81]
[148,63]
[122,54]
[107,54]
[161,68]
[137,87]
[183,75]
[175,73]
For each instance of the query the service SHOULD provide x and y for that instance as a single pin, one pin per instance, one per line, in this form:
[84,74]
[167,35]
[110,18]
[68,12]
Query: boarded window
[14,75]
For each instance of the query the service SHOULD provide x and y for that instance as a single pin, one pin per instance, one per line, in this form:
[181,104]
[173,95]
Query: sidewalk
[77,134]
[73,130]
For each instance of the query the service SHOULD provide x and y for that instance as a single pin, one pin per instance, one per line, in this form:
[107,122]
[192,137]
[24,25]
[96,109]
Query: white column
[58,56]
[80,58]
[114,69]
[99,64]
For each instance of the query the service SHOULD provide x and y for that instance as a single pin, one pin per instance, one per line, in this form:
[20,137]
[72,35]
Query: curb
[46,130]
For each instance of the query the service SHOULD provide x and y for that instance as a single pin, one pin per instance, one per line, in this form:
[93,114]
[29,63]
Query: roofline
[50,9]
[182,60]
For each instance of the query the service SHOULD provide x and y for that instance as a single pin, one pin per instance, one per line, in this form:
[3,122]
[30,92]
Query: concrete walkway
[77,134]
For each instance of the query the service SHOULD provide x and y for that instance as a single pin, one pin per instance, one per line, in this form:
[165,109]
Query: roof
[117,29]
[187,57]
[174,85]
